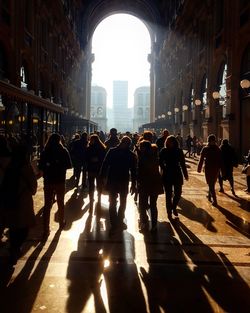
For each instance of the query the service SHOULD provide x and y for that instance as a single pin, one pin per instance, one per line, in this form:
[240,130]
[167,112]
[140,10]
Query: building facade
[141,109]
[122,118]
[199,65]
[98,109]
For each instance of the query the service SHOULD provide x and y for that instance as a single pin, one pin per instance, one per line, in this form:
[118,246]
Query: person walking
[78,156]
[172,163]
[161,140]
[149,184]
[95,154]
[118,166]
[211,155]
[54,162]
[113,140]
[229,161]
[189,142]
[18,186]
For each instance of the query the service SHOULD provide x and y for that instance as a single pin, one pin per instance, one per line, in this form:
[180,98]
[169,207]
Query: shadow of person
[84,272]
[20,294]
[74,208]
[215,272]
[96,270]
[170,282]
[244,204]
[240,225]
[122,280]
[192,212]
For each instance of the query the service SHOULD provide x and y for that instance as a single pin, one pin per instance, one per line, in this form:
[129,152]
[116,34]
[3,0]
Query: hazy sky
[121,44]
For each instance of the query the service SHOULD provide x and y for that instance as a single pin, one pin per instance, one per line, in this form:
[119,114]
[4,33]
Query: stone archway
[144,10]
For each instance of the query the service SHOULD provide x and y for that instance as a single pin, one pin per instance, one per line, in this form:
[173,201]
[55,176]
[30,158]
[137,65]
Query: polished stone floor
[199,262]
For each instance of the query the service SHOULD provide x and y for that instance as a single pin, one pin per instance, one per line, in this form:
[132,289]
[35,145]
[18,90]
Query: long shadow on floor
[20,294]
[192,212]
[103,269]
[244,204]
[215,273]
[169,280]
[236,222]
[74,207]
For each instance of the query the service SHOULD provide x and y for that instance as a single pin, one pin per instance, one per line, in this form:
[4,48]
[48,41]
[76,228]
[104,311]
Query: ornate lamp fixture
[197,102]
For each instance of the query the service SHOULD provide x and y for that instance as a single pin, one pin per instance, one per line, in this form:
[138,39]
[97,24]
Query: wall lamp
[217,96]
[184,107]
[245,85]
[176,110]
[197,102]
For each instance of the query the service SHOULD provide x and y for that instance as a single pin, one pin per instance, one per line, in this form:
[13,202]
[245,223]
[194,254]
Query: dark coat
[211,154]
[148,175]
[19,188]
[118,165]
[54,163]
[229,160]
[94,158]
[172,163]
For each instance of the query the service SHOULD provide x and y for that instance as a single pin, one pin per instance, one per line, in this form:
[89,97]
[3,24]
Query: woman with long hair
[54,162]
[149,184]
[172,163]
[95,154]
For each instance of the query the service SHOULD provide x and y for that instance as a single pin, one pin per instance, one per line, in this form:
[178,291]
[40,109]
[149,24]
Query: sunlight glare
[121,44]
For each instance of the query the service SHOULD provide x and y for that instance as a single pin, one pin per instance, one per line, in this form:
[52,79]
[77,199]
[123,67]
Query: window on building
[204,92]
[140,99]
[24,77]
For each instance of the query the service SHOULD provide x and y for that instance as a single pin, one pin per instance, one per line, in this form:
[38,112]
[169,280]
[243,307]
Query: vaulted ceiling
[153,12]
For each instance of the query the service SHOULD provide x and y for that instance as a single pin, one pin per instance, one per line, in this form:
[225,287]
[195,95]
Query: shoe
[45,236]
[175,212]
[221,190]
[215,203]
[143,227]
[124,226]
[62,225]
[246,190]
[233,192]
[170,216]
[209,197]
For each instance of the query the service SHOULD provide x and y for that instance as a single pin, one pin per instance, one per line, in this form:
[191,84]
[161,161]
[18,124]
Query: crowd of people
[144,165]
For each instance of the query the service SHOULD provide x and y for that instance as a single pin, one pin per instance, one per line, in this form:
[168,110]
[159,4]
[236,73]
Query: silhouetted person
[211,154]
[161,140]
[18,186]
[95,154]
[5,158]
[172,163]
[180,140]
[112,140]
[189,142]
[78,155]
[149,184]
[229,161]
[117,165]
[54,162]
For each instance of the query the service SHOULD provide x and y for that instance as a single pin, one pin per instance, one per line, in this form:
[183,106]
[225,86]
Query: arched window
[24,77]
[204,92]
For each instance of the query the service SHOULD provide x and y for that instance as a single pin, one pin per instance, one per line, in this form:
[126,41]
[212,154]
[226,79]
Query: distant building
[98,109]
[122,115]
[141,110]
